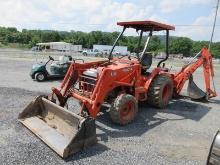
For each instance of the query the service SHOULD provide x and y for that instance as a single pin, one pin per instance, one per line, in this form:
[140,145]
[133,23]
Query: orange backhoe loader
[121,82]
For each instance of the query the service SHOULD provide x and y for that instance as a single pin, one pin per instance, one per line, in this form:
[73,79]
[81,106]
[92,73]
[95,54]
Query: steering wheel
[51,58]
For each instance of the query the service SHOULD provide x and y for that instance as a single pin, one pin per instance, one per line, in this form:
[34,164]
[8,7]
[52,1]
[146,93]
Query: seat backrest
[63,59]
[146,60]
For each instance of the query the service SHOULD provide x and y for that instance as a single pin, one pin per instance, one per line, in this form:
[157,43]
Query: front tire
[123,109]
[160,91]
[40,76]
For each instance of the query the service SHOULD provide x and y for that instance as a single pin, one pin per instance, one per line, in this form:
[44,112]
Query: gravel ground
[180,134]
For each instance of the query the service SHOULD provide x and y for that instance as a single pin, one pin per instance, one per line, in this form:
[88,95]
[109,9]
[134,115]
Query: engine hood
[92,72]
[34,66]
[124,65]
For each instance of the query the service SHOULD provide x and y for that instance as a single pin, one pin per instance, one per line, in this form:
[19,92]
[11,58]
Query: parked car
[36,49]
[107,52]
[92,52]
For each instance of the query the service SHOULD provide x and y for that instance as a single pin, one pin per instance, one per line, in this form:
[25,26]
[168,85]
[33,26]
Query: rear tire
[160,91]
[123,109]
[40,76]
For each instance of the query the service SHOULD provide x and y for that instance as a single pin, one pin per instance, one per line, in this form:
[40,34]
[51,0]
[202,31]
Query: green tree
[215,49]
[50,36]
[30,37]
[181,45]
[198,45]
[3,33]
[155,44]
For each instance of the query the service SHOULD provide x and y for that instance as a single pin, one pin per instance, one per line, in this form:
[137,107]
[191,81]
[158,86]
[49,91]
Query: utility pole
[213,28]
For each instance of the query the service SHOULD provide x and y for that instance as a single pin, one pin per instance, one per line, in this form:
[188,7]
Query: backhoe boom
[186,72]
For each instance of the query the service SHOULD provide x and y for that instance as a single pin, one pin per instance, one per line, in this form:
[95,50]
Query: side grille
[86,84]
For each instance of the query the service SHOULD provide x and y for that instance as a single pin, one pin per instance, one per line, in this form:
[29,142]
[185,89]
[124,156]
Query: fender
[154,73]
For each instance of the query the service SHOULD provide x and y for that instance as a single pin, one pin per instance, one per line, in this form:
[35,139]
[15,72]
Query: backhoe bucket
[65,132]
[194,91]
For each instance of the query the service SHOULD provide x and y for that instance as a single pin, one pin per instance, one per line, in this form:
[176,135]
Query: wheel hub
[166,93]
[41,77]
[127,110]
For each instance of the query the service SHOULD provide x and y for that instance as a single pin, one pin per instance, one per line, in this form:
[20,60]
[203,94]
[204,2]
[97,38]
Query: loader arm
[70,79]
[186,72]
[72,74]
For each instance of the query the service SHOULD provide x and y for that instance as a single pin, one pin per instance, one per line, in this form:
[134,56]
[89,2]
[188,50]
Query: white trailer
[60,46]
[123,50]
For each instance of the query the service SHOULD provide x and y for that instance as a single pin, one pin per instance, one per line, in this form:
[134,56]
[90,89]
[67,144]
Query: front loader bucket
[65,132]
[194,91]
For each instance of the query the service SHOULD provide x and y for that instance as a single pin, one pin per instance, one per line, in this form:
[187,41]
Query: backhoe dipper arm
[186,72]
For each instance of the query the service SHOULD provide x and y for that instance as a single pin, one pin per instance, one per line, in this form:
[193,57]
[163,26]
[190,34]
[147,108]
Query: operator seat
[63,60]
[146,61]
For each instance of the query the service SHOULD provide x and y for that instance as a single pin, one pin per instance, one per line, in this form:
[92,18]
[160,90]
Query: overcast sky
[193,18]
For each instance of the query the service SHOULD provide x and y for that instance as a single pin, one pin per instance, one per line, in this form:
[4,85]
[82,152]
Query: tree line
[29,38]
